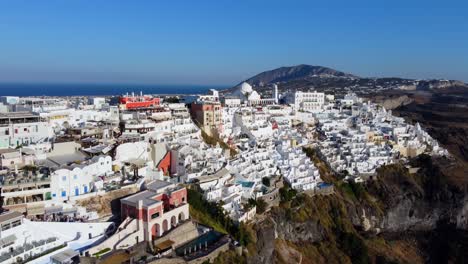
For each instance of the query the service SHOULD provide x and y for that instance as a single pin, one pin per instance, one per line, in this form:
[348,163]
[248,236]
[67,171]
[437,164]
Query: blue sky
[224,42]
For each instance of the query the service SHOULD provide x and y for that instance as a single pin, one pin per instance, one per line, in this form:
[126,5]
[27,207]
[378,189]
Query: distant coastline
[76,89]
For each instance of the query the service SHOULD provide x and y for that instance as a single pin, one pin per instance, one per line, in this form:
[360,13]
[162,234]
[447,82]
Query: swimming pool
[202,244]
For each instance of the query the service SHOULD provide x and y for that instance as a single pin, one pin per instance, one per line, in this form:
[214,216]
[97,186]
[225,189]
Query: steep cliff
[391,219]
[395,102]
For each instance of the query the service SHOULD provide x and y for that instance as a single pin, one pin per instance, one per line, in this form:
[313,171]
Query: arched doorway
[173,221]
[181,217]
[165,226]
[156,231]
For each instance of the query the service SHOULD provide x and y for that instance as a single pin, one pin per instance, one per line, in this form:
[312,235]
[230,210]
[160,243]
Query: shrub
[287,193]
[354,247]
[261,206]
[266,181]
[213,213]
[101,252]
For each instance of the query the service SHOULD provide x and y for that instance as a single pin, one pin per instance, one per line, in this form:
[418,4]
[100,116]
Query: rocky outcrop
[265,246]
[393,103]
[462,216]
[438,84]
[292,231]
[412,214]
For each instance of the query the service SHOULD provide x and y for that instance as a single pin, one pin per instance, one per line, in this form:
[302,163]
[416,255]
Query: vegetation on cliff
[213,215]
[353,225]
[213,141]
[349,226]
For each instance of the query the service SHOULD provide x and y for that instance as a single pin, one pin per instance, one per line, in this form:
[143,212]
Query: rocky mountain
[299,72]
[305,77]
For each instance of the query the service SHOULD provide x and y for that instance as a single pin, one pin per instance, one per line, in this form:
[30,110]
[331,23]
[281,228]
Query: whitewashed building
[78,179]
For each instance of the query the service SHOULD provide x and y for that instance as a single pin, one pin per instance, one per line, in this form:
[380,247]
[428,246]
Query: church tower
[275,93]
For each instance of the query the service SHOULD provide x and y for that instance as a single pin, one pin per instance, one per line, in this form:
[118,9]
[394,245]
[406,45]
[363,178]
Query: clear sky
[223,42]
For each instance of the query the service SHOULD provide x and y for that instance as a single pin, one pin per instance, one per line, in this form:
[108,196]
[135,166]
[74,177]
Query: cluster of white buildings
[268,149]
[298,170]
[238,148]
[362,136]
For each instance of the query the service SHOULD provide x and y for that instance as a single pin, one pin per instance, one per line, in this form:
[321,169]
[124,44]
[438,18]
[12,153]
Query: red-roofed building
[135,102]
[158,209]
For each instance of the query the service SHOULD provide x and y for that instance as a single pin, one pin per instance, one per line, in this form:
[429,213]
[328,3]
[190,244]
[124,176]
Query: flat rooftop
[145,196]
[158,184]
[17,115]
[217,175]
[9,150]
[9,216]
[65,255]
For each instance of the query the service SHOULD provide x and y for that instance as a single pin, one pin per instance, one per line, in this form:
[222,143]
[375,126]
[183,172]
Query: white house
[79,179]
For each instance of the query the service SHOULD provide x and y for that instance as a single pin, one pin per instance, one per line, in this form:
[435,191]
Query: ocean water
[17,89]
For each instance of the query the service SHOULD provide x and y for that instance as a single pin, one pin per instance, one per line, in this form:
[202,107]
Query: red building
[158,209]
[135,102]
[165,163]
[208,115]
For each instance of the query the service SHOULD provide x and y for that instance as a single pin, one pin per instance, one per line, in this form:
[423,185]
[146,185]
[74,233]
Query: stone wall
[272,198]
[210,256]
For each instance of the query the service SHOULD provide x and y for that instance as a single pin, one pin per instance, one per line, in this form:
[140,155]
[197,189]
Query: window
[16,223]
[75,177]
[64,178]
[155,215]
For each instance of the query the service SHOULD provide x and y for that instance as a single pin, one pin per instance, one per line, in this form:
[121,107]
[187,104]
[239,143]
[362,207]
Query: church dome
[245,88]
[254,96]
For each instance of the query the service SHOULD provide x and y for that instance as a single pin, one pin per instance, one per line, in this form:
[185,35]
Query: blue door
[86,189]
[77,191]
[64,193]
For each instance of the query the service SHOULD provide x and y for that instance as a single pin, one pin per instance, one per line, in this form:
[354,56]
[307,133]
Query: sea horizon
[100,89]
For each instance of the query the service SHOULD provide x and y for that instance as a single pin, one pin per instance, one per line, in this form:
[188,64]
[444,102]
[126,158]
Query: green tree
[266,181]
[261,206]
[287,193]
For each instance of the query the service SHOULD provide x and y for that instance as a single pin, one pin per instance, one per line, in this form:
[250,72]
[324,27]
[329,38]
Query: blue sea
[20,89]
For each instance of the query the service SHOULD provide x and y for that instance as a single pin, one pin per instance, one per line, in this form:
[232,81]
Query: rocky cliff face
[392,103]
[397,203]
